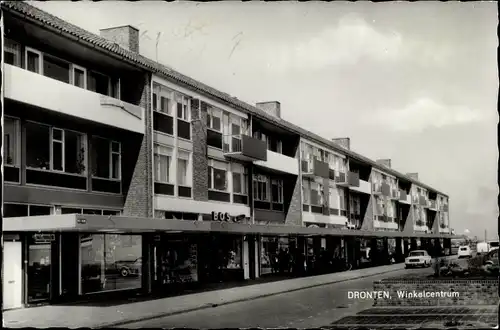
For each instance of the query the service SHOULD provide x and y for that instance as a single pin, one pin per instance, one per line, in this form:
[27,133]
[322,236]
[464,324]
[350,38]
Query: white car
[418,258]
[464,252]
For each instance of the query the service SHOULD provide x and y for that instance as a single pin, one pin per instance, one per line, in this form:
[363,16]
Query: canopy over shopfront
[126,224]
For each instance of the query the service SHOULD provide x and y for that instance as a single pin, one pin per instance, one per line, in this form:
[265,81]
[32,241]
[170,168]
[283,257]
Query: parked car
[129,267]
[464,252]
[493,245]
[482,248]
[418,258]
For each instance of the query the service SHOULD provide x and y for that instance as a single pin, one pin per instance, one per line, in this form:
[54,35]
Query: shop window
[230,253]
[38,268]
[179,263]
[110,262]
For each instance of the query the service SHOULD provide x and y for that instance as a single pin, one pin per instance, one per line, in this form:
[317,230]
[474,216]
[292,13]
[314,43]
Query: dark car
[490,262]
[129,267]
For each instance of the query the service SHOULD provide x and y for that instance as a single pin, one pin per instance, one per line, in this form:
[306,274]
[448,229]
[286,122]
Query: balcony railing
[376,188]
[71,100]
[280,162]
[422,200]
[432,205]
[444,208]
[315,168]
[245,148]
[386,189]
[340,178]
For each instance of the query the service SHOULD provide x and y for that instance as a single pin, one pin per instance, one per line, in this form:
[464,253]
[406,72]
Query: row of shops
[82,259]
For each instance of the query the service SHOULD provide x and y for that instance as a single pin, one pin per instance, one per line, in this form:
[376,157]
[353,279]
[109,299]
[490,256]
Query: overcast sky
[414,82]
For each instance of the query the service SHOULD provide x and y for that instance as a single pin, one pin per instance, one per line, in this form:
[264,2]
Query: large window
[56,68]
[342,199]
[277,191]
[182,103]
[24,210]
[163,164]
[261,187]
[333,198]
[11,142]
[179,262]
[33,60]
[217,175]
[183,168]
[110,262]
[12,52]
[102,84]
[51,148]
[239,173]
[106,158]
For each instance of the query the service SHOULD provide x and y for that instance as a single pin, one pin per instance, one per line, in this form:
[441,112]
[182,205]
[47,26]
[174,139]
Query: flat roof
[126,224]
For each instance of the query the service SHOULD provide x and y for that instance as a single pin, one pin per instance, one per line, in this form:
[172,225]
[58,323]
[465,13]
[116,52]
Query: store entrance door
[39,267]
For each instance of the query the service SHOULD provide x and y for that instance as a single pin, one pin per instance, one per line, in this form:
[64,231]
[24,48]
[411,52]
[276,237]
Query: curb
[211,305]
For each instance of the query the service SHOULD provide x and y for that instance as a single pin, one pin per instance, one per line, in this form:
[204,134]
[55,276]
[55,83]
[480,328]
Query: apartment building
[121,174]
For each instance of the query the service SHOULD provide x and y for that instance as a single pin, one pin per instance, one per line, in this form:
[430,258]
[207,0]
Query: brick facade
[470,292]
[139,198]
[200,161]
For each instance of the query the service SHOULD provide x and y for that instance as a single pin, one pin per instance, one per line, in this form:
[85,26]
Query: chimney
[343,142]
[385,162]
[125,36]
[414,176]
[272,107]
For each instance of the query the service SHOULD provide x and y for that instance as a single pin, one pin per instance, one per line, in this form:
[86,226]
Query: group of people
[298,263]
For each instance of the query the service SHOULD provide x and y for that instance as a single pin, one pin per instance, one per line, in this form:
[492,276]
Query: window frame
[306,191]
[17,127]
[187,110]
[72,77]
[210,116]
[279,183]
[40,59]
[63,149]
[10,49]
[320,194]
[243,171]
[111,153]
[157,150]
[188,165]
[211,166]
[262,179]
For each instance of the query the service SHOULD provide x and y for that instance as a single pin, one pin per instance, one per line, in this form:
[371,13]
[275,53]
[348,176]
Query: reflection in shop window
[231,253]
[180,263]
[272,251]
[111,262]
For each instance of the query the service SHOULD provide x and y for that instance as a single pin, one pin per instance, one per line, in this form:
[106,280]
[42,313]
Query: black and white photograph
[252,164]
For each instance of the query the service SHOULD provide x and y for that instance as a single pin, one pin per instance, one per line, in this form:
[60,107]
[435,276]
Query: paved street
[314,307]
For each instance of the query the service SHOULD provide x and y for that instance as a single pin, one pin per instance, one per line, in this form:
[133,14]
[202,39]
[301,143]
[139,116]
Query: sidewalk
[96,316]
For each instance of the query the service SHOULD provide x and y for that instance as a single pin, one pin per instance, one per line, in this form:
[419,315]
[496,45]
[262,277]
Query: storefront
[276,254]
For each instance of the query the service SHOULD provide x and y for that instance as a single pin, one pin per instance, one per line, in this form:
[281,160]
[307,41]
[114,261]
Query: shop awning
[126,224]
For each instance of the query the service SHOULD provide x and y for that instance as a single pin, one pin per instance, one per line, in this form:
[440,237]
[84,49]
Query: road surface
[308,308]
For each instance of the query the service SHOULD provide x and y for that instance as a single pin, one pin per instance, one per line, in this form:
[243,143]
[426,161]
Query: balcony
[432,205]
[352,179]
[385,189]
[47,93]
[422,200]
[377,189]
[394,194]
[415,199]
[444,208]
[341,179]
[314,169]
[363,187]
[279,162]
[244,148]
[384,222]
[404,198]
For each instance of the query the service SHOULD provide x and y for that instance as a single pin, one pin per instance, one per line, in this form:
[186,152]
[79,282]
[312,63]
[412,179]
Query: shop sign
[225,217]
[44,238]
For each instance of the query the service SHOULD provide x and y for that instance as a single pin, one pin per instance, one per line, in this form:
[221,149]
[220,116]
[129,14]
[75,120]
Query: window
[183,168]
[182,107]
[33,60]
[342,199]
[79,76]
[334,197]
[260,187]
[110,262]
[56,68]
[217,175]
[306,192]
[214,119]
[163,164]
[274,144]
[106,158]
[239,179]
[100,83]
[12,52]
[55,149]
[11,141]
[162,99]
[277,191]
[316,193]
[260,136]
